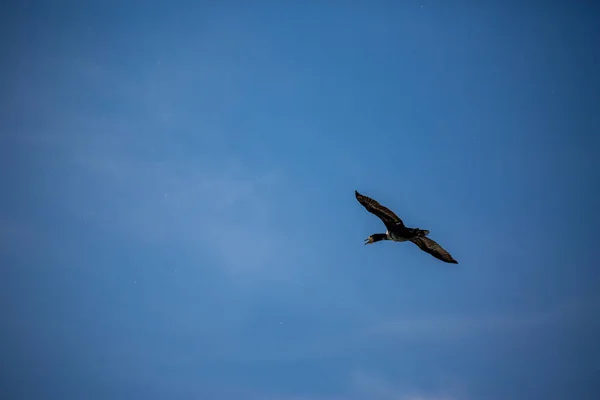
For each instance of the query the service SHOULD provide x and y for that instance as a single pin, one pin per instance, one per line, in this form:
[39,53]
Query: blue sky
[178,217]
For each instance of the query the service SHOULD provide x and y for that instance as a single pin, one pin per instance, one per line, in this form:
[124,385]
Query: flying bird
[397,232]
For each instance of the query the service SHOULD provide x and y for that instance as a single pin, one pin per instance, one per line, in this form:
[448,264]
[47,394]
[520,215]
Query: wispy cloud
[224,208]
[464,325]
[361,385]
[375,386]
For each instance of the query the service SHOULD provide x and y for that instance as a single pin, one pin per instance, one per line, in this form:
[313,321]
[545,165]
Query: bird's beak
[368,240]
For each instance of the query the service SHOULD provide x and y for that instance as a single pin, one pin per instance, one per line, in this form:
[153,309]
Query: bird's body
[398,232]
[402,235]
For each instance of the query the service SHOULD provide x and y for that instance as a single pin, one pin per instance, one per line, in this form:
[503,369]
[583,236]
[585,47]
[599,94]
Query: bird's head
[369,240]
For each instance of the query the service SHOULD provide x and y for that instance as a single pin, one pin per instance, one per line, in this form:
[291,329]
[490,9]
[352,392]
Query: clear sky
[178,221]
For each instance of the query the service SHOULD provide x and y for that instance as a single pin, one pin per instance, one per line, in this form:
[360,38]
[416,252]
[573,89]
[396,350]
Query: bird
[398,232]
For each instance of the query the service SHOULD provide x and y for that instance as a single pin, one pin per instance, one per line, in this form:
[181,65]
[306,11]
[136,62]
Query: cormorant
[397,232]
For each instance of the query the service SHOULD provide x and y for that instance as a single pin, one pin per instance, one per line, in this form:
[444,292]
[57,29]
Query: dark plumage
[397,232]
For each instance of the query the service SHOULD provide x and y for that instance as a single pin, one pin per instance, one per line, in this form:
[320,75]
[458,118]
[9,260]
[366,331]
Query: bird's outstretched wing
[430,246]
[385,214]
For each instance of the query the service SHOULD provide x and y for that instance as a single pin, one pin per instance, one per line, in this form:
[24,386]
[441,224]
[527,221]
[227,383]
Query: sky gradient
[178,221]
